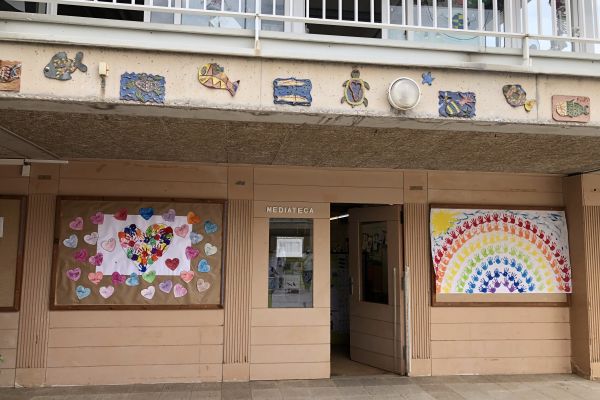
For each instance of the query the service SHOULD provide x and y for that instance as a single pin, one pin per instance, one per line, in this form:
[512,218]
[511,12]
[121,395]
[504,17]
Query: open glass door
[376,299]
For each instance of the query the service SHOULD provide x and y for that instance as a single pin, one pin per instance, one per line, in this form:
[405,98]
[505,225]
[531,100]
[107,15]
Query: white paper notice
[289,246]
[1,227]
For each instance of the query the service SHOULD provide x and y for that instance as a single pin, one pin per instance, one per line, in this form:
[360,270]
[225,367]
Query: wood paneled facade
[246,339]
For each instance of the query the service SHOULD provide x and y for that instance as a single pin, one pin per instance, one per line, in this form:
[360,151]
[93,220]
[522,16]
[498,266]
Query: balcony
[507,34]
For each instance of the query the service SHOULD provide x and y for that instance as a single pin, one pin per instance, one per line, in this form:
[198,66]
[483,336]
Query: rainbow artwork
[500,251]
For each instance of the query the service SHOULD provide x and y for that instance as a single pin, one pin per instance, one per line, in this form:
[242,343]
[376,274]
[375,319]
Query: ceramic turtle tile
[354,90]
[145,88]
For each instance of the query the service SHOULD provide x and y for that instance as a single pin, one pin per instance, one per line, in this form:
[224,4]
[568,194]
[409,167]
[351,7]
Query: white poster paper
[289,246]
[116,260]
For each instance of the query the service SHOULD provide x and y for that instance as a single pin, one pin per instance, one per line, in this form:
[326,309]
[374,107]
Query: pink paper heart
[81,255]
[179,291]
[95,277]
[74,274]
[96,260]
[109,245]
[187,276]
[97,218]
[107,291]
[182,230]
[76,224]
[118,279]
[191,252]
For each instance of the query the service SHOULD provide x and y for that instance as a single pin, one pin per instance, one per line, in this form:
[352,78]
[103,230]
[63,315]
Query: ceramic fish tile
[145,88]
[10,76]
[213,76]
[571,108]
[292,91]
[61,67]
[456,104]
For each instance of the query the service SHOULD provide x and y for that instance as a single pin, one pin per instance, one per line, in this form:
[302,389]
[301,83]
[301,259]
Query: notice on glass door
[289,246]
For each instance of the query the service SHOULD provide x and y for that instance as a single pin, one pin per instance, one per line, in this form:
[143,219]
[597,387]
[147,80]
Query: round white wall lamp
[404,94]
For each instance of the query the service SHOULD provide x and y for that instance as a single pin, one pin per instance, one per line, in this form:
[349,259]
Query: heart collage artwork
[139,256]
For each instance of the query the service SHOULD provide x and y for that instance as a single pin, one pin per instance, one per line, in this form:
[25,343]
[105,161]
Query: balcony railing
[555,26]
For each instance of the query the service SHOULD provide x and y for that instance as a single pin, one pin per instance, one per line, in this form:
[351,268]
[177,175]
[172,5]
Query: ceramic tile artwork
[61,67]
[571,108]
[354,90]
[145,88]
[213,76]
[456,104]
[427,78]
[516,96]
[292,91]
[10,76]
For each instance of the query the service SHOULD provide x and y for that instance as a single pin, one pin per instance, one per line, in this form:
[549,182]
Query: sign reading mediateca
[289,210]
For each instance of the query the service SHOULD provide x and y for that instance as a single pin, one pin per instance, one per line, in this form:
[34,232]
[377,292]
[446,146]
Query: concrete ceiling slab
[102,136]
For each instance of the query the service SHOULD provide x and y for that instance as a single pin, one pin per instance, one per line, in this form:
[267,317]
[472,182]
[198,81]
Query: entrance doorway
[367,328]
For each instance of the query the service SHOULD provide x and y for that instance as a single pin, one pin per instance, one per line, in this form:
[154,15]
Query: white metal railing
[551,25]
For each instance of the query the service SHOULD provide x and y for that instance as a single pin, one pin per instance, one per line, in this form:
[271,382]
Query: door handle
[351,284]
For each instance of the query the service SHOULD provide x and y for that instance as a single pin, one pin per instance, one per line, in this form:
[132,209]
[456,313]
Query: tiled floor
[521,387]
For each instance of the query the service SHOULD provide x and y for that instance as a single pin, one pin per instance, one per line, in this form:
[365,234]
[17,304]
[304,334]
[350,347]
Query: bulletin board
[500,255]
[13,211]
[136,253]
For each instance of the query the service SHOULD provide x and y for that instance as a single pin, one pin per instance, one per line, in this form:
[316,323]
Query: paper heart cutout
[191,253]
[74,274]
[106,291]
[202,285]
[145,248]
[118,279]
[146,212]
[95,277]
[182,230]
[165,286]
[169,216]
[109,245]
[92,238]
[195,238]
[133,280]
[203,266]
[148,293]
[71,241]
[172,263]
[192,218]
[179,291]
[82,292]
[81,255]
[121,215]
[97,218]
[187,276]
[76,224]
[96,260]
[149,276]
[210,227]
[209,249]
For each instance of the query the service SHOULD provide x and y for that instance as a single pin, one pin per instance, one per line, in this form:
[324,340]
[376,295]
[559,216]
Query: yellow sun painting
[442,220]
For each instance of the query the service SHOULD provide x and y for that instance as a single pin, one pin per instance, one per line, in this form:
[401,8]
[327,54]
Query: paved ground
[521,387]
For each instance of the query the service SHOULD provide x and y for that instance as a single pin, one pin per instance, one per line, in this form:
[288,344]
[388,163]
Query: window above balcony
[558,29]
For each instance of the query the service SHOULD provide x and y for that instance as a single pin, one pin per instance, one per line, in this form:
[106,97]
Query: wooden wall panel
[107,347]
[416,217]
[592,255]
[500,340]
[9,324]
[238,281]
[33,324]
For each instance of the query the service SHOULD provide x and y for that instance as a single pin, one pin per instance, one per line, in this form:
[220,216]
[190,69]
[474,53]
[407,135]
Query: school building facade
[232,191]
